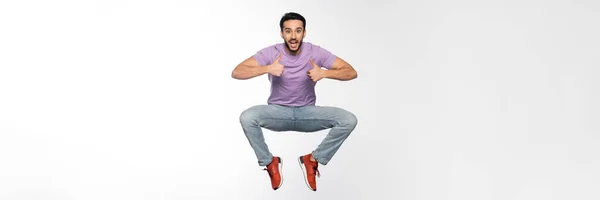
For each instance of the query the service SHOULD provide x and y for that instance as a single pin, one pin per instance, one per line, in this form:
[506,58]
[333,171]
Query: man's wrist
[326,73]
[266,69]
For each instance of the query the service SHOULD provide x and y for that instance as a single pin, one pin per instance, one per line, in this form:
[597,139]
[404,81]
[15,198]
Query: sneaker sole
[301,162]
[280,166]
[280,173]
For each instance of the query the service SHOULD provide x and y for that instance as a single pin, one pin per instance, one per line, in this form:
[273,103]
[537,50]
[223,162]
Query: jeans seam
[276,118]
[327,120]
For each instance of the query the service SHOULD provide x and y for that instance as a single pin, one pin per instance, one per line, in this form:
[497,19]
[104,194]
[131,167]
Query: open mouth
[293,44]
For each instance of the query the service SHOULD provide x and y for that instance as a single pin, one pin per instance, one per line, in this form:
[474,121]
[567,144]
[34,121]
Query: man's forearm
[342,74]
[243,72]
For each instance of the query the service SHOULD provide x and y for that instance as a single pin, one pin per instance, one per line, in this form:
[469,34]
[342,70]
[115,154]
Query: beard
[287,45]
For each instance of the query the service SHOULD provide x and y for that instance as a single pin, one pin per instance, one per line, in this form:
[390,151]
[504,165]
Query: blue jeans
[310,118]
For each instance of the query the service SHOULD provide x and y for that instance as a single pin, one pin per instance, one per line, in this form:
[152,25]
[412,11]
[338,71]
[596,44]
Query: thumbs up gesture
[276,68]
[316,73]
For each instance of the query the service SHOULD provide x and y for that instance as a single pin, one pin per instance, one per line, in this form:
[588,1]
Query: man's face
[292,34]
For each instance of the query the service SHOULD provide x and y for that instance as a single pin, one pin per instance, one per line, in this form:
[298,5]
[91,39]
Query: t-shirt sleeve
[323,57]
[265,56]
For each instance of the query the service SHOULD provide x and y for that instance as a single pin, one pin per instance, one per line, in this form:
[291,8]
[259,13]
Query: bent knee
[249,115]
[349,120]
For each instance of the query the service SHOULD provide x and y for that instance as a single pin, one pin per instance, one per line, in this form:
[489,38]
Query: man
[293,68]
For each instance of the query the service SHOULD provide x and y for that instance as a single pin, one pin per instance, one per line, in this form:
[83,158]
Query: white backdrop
[456,99]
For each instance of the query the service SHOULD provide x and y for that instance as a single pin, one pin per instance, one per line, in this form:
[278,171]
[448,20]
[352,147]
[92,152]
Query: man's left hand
[316,73]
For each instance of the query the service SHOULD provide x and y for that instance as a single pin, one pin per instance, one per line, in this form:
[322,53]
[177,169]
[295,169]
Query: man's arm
[250,68]
[247,69]
[340,70]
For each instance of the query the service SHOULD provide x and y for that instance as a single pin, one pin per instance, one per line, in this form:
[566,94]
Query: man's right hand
[276,68]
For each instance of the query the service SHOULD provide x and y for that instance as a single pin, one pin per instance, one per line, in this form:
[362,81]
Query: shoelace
[268,171]
[316,171]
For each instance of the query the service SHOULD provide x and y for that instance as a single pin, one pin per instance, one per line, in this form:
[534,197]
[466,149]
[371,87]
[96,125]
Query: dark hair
[292,16]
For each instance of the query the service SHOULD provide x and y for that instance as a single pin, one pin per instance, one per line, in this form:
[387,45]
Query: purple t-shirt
[294,87]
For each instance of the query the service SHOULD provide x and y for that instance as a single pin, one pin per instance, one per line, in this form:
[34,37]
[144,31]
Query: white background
[460,99]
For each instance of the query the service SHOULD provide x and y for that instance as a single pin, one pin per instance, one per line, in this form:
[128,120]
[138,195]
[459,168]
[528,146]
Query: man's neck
[294,53]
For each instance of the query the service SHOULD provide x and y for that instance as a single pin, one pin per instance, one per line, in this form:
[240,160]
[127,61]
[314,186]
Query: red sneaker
[274,169]
[310,169]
